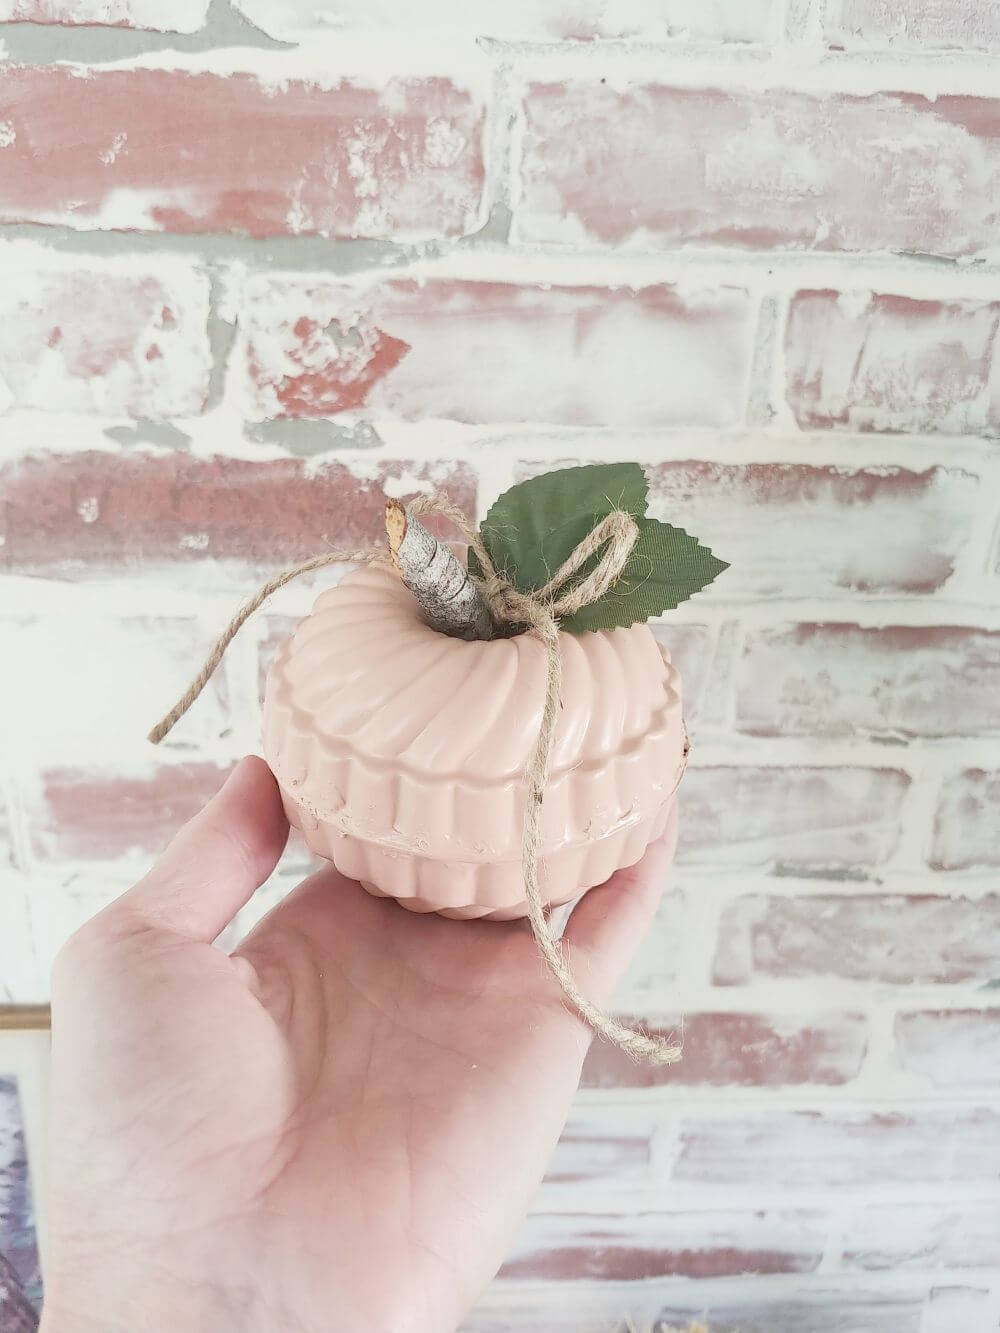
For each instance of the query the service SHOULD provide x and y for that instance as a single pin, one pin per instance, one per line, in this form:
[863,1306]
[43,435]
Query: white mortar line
[327,56]
[802,66]
[499,168]
[916,831]
[803,29]
[666,1197]
[837,752]
[732,1102]
[700,267]
[704,267]
[779,17]
[756,1290]
[218,434]
[815,994]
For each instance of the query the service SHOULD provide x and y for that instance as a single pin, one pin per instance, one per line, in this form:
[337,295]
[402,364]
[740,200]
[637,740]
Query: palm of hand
[338,1128]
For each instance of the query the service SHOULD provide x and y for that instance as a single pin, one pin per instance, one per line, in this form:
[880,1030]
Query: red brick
[91,815]
[889,363]
[828,1304]
[860,937]
[791,817]
[839,680]
[608,1248]
[951,1047]
[816,1307]
[545,20]
[175,16]
[175,507]
[953,1307]
[655,166]
[692,650]
[912,24]
[612,1144]
[777,1149]
[935,1235]
[168,150]
[494,352]
[967,824]
[792,530]
[722,1049]
[661,952]
[515,1307]
[101,339]
[81,677]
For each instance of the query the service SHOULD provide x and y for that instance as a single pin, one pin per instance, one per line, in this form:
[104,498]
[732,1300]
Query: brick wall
[263,265]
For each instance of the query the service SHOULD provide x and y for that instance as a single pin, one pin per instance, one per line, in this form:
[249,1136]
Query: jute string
[539,611]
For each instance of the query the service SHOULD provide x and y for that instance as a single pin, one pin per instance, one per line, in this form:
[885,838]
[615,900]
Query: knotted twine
[539,612]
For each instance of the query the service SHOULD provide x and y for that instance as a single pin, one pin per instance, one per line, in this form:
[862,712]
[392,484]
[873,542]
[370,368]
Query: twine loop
[508,605]
[539,611]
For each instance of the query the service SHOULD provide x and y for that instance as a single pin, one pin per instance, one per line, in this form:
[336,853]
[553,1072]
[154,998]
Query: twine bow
[540,611]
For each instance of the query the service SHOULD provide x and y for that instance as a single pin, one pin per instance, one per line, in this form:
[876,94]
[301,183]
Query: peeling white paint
[406,483]
[177,16]
[111,153]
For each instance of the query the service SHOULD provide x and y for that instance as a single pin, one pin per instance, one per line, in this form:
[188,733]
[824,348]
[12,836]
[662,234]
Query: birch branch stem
[450,598]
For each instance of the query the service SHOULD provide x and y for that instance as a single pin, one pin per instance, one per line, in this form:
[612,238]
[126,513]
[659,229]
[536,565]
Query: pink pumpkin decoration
[400,751]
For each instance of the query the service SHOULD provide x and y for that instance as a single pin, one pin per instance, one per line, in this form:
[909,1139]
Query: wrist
[140,1302]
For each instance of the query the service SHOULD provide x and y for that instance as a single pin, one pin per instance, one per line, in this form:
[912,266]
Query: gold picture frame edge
[25,1018]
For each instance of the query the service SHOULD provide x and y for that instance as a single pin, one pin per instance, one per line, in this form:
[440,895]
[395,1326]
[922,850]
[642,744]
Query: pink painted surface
[401,752]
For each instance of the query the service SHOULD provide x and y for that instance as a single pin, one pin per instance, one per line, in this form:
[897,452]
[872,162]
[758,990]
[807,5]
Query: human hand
[339,1127]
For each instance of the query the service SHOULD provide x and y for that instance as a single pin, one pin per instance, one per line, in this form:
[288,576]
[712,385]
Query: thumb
[608,924]
[217,860]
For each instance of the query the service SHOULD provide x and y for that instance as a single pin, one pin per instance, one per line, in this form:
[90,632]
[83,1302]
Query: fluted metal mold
[400,752]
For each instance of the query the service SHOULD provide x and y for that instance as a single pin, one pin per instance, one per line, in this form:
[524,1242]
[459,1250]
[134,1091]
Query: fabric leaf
[533,528]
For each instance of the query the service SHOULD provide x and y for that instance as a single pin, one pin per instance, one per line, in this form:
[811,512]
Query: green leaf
[535,526]
[666,567]
[532,528]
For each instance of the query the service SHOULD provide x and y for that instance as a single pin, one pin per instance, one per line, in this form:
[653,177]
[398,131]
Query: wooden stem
[449,596]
